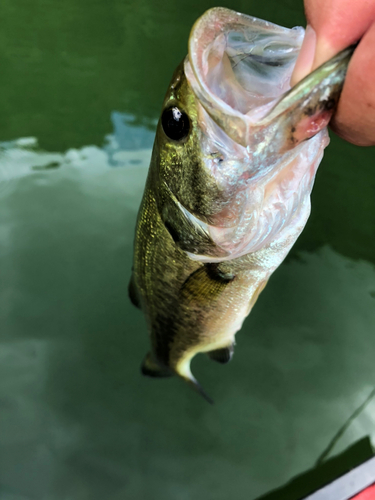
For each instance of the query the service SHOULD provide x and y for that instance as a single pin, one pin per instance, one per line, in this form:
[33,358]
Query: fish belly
[190,306]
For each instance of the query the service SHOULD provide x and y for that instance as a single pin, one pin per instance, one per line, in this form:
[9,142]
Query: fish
[228,189]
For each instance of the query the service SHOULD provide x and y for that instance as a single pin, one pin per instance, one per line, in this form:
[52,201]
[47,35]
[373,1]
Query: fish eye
[175,123]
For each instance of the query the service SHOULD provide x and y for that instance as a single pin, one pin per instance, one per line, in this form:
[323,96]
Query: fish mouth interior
[247,69]
[239,64]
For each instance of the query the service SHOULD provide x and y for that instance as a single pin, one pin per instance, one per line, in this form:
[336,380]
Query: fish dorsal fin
[133,293]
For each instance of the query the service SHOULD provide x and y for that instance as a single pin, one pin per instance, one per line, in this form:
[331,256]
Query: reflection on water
[78,421]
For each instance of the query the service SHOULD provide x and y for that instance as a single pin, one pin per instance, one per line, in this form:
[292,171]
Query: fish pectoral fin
[205,284]
[151,368]
[133,294]
[223,355]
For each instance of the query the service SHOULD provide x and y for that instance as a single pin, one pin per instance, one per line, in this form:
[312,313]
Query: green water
[77,421]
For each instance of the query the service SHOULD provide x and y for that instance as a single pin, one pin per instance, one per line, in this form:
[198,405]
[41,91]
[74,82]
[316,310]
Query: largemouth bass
[228,189]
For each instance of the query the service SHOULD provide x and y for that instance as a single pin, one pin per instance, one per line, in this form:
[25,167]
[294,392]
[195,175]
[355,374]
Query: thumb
[305,59]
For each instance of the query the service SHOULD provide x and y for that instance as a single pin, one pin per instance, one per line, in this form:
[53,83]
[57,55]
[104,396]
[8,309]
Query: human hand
[332,26]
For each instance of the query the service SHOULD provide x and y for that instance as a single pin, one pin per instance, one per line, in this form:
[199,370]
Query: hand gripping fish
[228,189]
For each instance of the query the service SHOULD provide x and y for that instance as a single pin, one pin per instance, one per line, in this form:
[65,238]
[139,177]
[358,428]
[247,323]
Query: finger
[305,58]
[355,116]
[338,24]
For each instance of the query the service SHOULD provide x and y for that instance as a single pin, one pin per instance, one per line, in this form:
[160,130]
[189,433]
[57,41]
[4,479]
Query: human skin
[332,26]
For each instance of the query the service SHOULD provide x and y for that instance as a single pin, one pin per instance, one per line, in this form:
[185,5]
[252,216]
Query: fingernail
[323,51]
[305,58]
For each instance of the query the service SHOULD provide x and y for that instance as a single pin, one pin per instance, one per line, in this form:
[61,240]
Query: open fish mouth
[240,67]
[255,126]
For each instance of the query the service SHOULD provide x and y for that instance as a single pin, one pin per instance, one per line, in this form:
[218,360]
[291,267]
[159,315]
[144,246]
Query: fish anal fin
[151,368]
[199,389]
[223,355]
[183,370]
[133,295]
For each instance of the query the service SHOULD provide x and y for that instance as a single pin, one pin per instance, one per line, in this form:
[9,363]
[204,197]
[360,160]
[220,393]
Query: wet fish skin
[171,287]
[193,293]
[187,304]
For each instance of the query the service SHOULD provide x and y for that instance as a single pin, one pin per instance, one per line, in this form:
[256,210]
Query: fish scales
[228,190]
